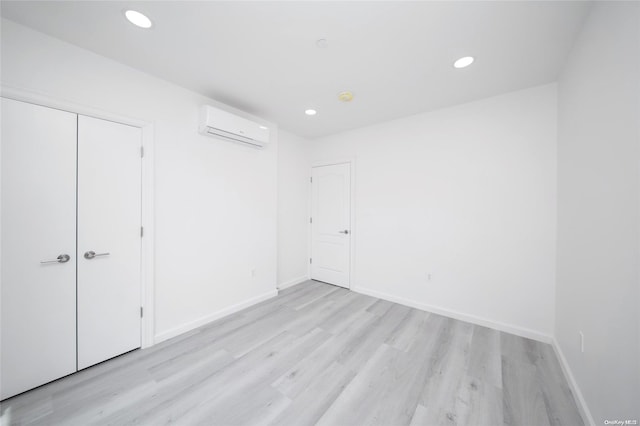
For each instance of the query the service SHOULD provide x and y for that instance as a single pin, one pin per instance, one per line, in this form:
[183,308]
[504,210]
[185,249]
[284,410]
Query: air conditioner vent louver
[224,125]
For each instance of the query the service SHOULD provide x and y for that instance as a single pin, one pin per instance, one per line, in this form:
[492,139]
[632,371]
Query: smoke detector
[345,96]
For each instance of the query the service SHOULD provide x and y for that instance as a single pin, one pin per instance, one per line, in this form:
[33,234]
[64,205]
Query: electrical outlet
[253,272]
[581,341]
[429,277]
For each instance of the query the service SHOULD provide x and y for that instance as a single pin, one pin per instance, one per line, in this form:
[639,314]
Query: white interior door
[38,327]
[109,219]
[330,226]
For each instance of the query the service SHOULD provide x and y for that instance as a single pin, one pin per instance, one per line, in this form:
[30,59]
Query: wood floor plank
[561,406]
[335,322]
[38,412]
[409,330]
[397,374]
[309,292]
[303,373]
[380,307]
[523,401]
[519,349]
[479,403]
[210,386]
[170,388]
[244,339]
[485,362]
[258,405]
[315,354]
[313,313]
[321,310]
[368,390]
[298,287]
[419,417]
[313,401]
[94,410]
[297,292]
[413,376]
[242,378]
[358,350]
[329,292]
[448,366]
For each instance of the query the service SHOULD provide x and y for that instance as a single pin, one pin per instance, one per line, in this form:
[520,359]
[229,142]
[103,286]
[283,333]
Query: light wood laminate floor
[316,354]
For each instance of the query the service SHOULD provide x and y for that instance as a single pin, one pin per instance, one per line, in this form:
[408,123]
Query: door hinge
[142,152]
[310,220]
[310,260]
[141,311]
[141,231]
[311,179]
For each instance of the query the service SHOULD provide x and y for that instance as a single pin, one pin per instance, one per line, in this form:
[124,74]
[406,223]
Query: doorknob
[63,258]
[91,254]
[346,231]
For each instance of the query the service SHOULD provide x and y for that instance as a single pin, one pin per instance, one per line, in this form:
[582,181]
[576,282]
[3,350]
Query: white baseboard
[580,401]
[292,282]
[518,331]
[188,326]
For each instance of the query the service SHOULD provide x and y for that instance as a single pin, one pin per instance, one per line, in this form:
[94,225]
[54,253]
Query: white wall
[598,287]
[293,209]
[466,194]
[215,217]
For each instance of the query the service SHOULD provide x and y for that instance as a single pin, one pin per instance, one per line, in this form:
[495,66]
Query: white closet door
[38,340]
[330,227]
[109,212]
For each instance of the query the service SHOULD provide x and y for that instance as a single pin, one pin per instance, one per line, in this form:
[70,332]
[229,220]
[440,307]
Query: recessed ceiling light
[463,62]
[138,19]
[310,112]
[322,43]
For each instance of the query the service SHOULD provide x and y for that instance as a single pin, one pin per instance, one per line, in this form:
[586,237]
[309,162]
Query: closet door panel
[109,244]
[38,317]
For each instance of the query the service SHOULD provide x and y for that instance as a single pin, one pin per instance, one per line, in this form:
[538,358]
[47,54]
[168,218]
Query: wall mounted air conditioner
[224,125]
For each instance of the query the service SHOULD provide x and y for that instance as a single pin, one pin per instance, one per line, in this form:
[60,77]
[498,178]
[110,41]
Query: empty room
[339,213]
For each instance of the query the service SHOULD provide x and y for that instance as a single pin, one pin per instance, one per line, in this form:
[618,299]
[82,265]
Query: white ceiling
[261,57]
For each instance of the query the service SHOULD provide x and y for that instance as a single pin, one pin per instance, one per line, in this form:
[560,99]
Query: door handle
[346,231]
[63,258]
[91,254]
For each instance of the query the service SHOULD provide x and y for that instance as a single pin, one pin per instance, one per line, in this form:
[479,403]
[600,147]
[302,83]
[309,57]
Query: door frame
[352,214]
[147,282]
